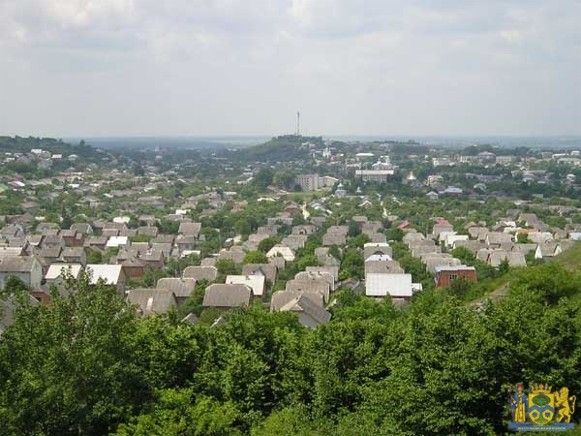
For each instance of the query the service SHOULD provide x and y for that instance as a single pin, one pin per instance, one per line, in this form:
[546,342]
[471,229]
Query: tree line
[88,365]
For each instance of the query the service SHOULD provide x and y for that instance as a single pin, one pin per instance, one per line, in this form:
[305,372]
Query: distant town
[284,224]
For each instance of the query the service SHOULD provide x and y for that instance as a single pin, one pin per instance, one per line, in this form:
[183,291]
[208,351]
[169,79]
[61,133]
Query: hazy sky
[227,67]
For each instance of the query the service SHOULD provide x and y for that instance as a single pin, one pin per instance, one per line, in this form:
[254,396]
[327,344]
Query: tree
[226,266]
[70,368]
[265,245]
[176,413]
[255,257]
[504,267]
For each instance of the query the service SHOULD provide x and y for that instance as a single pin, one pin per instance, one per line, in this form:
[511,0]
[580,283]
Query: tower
[298,124]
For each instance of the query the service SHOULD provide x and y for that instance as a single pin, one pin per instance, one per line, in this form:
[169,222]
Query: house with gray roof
[310,314]
[26,268]
[208,273]
[227,296]
[190,229]
[181,288]
[269,271]
[254,282]
[310,286]
[319,275]
[152,301]
[333,270]
[372,248]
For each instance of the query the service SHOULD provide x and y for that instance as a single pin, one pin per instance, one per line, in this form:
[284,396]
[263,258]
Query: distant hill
[282,148]
[19,144]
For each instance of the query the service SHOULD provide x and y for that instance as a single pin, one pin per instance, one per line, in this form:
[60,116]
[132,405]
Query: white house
[394,285]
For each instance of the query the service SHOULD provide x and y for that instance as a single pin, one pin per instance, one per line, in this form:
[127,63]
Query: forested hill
[19,144]
[282,148]
[87,365]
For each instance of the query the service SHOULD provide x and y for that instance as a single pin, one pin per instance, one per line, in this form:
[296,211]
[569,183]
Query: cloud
[235,67]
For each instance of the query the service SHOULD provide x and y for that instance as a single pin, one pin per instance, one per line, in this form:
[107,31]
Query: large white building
[374,175]
[312,182]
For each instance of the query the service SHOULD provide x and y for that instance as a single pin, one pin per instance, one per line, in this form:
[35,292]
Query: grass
[571,258]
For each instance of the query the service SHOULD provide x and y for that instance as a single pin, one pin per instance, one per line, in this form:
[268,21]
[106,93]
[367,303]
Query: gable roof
[281,298]
[190,229]
[178,286]
[57,270]
[254,282]
[224,295]
[110,274]
[208,273]
[265,269]
[303,303]
[152,301]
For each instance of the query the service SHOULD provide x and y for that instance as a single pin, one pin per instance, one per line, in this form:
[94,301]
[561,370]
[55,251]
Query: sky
[351,67]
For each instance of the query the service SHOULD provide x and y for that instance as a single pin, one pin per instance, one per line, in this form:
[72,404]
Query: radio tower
[298,124]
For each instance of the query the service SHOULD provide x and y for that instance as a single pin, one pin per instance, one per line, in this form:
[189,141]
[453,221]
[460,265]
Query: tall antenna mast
[298,124]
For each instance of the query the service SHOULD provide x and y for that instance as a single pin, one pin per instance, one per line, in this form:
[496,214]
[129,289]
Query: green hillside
[571,258]
[282,148]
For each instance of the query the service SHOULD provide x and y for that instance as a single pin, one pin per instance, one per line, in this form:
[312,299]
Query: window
[453,277]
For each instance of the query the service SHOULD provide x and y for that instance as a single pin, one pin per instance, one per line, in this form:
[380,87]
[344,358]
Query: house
[72,238]
[190,229]
[371,248]
[253,240]
[433,262]
[495,239]
[548,249]
[110,275]
[441,226]
[382,264]
[133,267]
[281,251]
[477,232]
[117,242]
[96,242]
[333,270]
[8,307]
[318,275]
[57,272]
[268,230]
[267,270]
[152,301]
[310,314]
[294,242]
[225,296]
[235,254]
[53,241]
[382,284]
[445,275]
[531,220]
[305,229]
[413,237]
[375,237]
[26,268]
[254,282]
[82,228]
[180,288]
[278,262]
[150,231]
[208,273]
[334,238]
[281,298]
[185,243]
[326,259]
[74,255]
[310,286]
[540,237]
